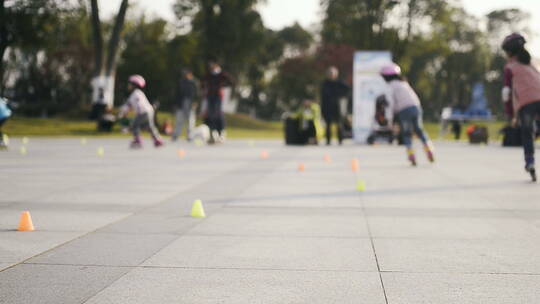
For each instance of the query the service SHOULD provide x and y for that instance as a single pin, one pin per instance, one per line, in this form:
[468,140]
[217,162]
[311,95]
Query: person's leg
[527,116]
[406,123]
[191,124]
[340,131]
[2,143]
[135,127]
[220,117]
[186,109]
[418,126]
[328,123]
[178,123]
[153,130]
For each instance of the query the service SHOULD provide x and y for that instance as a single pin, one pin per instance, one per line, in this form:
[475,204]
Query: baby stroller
[382,130]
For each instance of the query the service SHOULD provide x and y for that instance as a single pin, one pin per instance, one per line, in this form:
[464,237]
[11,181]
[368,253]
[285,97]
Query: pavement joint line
[133,267]
[276,236]
[368,227]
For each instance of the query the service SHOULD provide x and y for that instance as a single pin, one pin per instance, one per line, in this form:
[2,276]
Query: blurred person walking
[186,96]
[332,91]
[212,87]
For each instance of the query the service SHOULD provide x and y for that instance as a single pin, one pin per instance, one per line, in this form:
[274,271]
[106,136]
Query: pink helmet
[391,69]
[137,80]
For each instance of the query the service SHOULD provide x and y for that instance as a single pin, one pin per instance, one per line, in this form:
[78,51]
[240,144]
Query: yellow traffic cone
[23,150]
[361,185]
[100,151]
[25,140]
[25,224]
[83,141]
[197,209]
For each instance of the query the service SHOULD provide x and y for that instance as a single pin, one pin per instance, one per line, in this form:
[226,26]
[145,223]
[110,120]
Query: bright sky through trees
[279,13]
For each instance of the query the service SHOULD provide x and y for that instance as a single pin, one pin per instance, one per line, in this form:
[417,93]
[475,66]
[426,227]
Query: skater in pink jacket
[406,106]
[521,92]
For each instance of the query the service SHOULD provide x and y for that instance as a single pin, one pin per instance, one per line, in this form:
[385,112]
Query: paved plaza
[116,228]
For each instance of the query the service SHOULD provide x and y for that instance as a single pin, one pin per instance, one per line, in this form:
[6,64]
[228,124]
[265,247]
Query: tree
[104,72]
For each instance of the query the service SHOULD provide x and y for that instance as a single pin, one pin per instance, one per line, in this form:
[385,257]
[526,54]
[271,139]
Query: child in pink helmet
[144,112]
[521,93]
[406,106]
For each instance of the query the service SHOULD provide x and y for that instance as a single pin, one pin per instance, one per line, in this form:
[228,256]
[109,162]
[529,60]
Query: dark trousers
[410,121]
[527,116]
[329,121]
[214,115]
[2,121]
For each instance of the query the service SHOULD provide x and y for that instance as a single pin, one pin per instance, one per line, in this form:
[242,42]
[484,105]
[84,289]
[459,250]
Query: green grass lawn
[238,126]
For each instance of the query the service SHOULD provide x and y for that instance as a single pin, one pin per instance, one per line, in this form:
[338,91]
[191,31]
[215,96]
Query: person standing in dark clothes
[332,91]
[212,86]
[185,103]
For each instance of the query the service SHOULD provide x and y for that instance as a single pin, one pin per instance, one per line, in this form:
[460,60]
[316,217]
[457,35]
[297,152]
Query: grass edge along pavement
[238,126]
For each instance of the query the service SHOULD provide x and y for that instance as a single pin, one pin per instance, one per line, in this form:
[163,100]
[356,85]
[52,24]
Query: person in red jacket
[521,93]
[212,86]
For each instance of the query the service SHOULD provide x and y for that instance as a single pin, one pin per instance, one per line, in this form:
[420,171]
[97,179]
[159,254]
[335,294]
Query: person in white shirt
[406,106]
[144,112]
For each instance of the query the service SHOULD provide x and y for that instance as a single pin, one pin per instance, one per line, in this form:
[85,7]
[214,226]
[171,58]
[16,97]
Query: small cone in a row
[181,153]
[83,141]
[264,155]
[25,223]
[100,151]
[197,209]
[361,185]
[327,158]
[301,167]
[23,150]
[355,164]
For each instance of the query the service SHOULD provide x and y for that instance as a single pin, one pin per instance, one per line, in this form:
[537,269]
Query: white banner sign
[367,85]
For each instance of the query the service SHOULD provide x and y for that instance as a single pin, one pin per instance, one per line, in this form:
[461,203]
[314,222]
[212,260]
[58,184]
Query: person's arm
[126,107]
[506,93]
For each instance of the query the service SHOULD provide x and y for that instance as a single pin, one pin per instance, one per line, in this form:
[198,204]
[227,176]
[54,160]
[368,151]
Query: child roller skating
[406,106]
[144,112]
[521,93]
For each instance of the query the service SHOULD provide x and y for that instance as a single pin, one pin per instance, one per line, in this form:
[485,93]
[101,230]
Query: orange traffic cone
[181,153]
[264,155]
[301,167]
[354,164]
[25,224]
[327,158]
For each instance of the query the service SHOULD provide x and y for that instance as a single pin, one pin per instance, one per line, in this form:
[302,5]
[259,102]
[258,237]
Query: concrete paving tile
[438,255]
[267,253]
[150,223]
[60,220]
[451,228]
[18,246]
[106,249]
[166,285]
[443,288]
[285,224]
[53,284]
